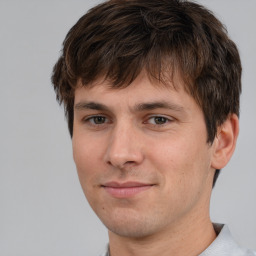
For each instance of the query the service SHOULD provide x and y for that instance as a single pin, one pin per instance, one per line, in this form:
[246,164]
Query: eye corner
[95,121]
[158,120]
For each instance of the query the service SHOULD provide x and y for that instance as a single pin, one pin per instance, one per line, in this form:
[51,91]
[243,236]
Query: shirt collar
[222,245]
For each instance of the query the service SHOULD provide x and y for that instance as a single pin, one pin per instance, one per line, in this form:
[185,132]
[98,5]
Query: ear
[225,142]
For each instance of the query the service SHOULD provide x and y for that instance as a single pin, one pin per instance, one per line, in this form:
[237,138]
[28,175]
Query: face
[141,155]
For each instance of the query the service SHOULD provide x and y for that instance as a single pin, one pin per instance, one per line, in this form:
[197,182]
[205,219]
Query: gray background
[42,208]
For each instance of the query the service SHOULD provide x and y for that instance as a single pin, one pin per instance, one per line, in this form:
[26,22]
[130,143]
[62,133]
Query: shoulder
[224,244]
[104,254]
[106,251]
[243,252]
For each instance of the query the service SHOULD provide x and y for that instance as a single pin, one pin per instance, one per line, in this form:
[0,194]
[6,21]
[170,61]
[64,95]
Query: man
[151,93]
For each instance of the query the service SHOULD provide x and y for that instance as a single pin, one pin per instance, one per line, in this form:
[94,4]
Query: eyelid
[87,119]
[168,118]
[90,117]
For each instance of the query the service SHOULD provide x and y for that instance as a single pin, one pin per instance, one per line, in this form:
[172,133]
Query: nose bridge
[123,146]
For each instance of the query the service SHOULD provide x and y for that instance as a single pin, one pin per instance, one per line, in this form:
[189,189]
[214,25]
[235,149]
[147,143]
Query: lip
[126,189]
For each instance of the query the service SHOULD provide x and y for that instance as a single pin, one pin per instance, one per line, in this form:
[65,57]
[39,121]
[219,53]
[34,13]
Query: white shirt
[223,245]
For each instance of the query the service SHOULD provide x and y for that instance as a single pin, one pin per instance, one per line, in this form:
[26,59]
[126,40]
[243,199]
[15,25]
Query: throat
[178,243]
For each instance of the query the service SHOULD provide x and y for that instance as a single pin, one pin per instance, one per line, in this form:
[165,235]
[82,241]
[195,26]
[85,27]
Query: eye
[158,120]
[97,120]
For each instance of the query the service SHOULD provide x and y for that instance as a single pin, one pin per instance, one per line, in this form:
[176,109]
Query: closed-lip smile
[126,189]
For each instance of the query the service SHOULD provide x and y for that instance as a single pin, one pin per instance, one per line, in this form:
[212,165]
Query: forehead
[143,82]
[143,91]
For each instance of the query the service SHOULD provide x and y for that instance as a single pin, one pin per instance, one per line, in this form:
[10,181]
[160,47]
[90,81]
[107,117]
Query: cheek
[183,169]
[85,157]
[183,163]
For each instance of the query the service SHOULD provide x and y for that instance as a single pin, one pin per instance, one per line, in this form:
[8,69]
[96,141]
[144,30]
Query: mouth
[125,190]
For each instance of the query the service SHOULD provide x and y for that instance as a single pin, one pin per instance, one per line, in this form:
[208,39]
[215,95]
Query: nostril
[130,162]
[122,165]
[123,151]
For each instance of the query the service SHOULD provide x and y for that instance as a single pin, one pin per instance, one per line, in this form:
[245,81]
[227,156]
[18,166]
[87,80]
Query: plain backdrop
[42,208]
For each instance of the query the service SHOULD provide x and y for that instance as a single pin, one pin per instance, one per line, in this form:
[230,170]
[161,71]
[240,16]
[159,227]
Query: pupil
[99,120]
[160,120]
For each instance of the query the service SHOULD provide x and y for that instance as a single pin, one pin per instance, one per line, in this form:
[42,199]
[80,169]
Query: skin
[156,136]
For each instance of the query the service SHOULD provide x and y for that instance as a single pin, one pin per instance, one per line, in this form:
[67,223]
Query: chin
[132,225]
[131,230]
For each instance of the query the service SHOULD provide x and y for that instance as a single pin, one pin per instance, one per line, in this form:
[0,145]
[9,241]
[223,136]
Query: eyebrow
[90,105]
[138,107]
[157,104]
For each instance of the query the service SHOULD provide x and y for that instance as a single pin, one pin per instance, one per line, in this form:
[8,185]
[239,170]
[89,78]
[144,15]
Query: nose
[124,148]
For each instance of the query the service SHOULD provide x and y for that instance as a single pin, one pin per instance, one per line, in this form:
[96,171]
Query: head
[119,40]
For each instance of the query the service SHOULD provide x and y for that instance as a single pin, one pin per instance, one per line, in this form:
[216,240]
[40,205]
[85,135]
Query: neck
[191,237]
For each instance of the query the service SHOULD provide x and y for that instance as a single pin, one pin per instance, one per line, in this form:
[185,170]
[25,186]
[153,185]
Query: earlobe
[225,142]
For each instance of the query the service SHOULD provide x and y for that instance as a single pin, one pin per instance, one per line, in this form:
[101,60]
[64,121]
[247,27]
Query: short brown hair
[119,38]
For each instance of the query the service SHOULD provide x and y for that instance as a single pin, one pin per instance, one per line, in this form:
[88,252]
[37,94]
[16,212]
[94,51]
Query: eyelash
[91,120]
[164,119]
